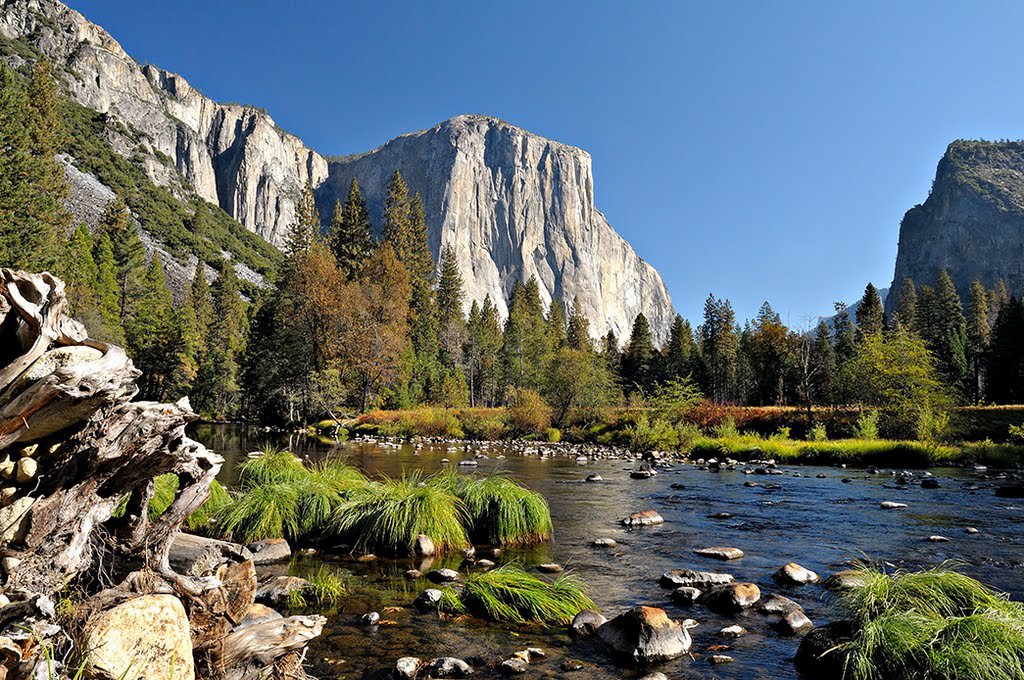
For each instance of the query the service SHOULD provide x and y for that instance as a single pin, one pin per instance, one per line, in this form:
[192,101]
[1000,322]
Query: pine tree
[823,363]
[1005,366]
[844,334]
[557,326]
[306,228]
[129,253]
[79,270]
[978,337]
[870,317]
[152,333]
[679,350]
[351,232]
[108,292]
[452,323]
[195,319]
[719,349]
[906,304]
[489,379]
[949,338]
[578,333]
[638,360]
[997,298]
[216,389]
[611,353]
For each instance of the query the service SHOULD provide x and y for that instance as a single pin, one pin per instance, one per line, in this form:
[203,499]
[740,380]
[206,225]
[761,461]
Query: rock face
[514,205]
[233,156]
[146,636]
[972,223]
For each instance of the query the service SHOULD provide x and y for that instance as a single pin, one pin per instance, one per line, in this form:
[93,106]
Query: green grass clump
[282,498]
[936,623]
[502,512]
[387,516]
[891,453]
[326,585]
[512,595]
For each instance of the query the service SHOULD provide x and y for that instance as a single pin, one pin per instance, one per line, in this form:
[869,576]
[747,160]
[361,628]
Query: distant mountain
[972,223]
[512,204]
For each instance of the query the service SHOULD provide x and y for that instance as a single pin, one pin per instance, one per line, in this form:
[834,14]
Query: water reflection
[818,522]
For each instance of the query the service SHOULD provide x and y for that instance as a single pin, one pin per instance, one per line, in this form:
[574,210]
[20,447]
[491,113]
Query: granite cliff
[972,223]
[512,204]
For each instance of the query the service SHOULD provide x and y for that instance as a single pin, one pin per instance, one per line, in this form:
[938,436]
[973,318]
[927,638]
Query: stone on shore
[143,637]
[269,551]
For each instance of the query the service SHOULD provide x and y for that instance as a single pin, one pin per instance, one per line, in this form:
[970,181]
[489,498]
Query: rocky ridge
[512,204]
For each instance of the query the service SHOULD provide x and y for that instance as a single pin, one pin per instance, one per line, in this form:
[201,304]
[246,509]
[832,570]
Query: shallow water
[820,523]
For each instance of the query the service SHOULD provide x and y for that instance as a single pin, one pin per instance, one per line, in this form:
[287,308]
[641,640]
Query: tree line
[353,322]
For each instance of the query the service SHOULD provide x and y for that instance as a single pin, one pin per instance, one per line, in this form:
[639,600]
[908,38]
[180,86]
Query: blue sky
[759,150]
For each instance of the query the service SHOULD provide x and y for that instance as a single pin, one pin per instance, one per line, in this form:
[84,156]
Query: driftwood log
[73,448]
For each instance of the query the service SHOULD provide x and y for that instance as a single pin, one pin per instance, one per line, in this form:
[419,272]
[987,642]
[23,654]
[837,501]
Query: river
[821,523]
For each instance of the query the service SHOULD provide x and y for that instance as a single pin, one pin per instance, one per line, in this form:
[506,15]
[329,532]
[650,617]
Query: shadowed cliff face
[512,204]
[972,223]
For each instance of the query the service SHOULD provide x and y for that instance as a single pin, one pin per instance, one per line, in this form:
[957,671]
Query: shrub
[510,594]
[502,512]
[553,435]
[529,413]
[646,435]
[727,428]
[867,426]
[934,426]
[387,517]
[936,623]
[818,433]
[480,426]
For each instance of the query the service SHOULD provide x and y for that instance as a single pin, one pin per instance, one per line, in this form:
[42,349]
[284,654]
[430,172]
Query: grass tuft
[512,595]
[503,512]
[387,517]
[936,623]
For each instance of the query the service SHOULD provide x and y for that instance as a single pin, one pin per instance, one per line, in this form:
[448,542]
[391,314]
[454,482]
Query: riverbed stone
[793,574]
[428,599]
[938,539]
[550,568]
[794,622]
[778,604]
[276,591]
[643,518]
[731,598]
[719,659]
[448,667]
[733,631]
[604,542]
[443,576]
[846,579]
[269,551]
[595,478]
[686,595]
[424,546]
[820,654]
[144,636]
[930,483]
[892,505]
[407,667]
[645,635]
[676,578]
[641,474]
[586,623]
[513,666]
[655,676]
[720,553]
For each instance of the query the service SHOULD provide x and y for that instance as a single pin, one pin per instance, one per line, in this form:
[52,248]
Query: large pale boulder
[645,635]
[147,637]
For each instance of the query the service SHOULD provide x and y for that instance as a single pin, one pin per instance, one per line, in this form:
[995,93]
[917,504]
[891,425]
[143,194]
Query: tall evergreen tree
[1005,368]
[351,232]
[906,304]
[46,139]
[768,352]
[679,351]
[557,326]
[978,337]
[306,228]
[611,353]
[108,291]
[152,333]
[870,316]
[578,333]
[949,341]
[216,389]
[823,362]
[719,349]
[451,321]
[638,360]
[844,333]
[129,253]
[489,377]
[80,271]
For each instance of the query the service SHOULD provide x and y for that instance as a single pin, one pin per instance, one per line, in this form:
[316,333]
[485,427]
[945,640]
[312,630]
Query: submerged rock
[820,654]
[443,576]
[586,623]
[644,635]
[407,667]
[428,599]
[685,595]
[892,505]
[719,553]
[777,604]
[846,579]
[677,578]
[276,591]
[733,631]
[644,518]
[448,667]
[794,622]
